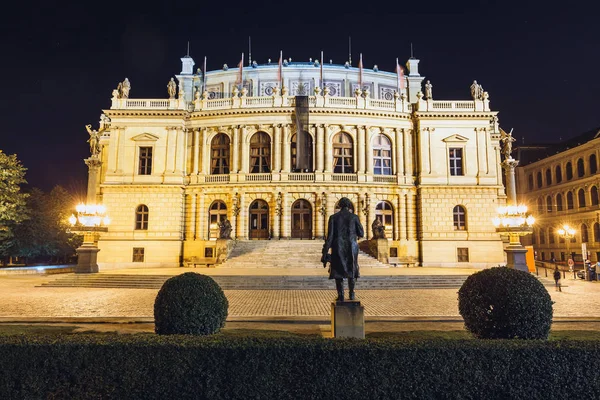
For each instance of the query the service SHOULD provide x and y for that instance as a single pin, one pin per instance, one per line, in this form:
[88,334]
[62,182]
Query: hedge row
[165,367]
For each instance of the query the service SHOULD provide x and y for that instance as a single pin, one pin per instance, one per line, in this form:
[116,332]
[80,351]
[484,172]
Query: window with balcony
[559,202]
[343,150]
[570,202]
[219,154]
[382,155]
[260,153]
[549,204]
[581,198]
[594,195]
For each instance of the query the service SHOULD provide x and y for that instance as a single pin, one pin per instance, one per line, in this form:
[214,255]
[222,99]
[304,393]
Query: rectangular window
[145,167]
[463,254]
[138,254]
[456,161]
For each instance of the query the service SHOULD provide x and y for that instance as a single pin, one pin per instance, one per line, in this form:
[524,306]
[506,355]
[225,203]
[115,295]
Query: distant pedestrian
[557,280]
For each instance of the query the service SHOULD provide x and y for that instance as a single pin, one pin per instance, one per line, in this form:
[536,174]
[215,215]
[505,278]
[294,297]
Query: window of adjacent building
[530,182]
[594,195]
[593,164]
[141,217]
[385,214]
[559,202]
[584,233]
[382,155]
[596,232]
[145,161]
[558,173]
[581,198]
[539,179]
[549,204]
[343,159]
[460,218]
[569,168]
[219,154]
[462,254]
[570,202]
[138,254]
[542,237]
[540,205]
[260,153]
[456,161]
[551,238]
[548,177]
[580,168]
[309,150]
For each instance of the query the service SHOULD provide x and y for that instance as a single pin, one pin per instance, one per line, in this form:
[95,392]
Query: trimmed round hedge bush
[504,303]
[190,303]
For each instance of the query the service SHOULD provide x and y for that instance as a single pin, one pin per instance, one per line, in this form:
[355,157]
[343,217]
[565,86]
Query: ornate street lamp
[91,219]
[514,221]
[567,233]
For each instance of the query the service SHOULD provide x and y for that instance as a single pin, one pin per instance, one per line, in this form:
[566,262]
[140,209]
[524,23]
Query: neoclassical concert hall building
[225,145]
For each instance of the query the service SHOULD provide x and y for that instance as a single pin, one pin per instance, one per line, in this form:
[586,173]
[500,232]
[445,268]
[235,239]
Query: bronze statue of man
[343,230]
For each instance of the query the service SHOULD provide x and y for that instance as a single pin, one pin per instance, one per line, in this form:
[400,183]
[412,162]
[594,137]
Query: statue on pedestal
[508,140]
[476,91]
[172,88]
[378,229]
[225,229]
[428,91]
[94,140]
[125,88]
[344,229]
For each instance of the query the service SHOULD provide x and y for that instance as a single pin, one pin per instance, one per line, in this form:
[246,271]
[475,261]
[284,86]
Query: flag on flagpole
[400,74]
[240,79]
[280,69]
[204,76]
[322,87]
[360,72]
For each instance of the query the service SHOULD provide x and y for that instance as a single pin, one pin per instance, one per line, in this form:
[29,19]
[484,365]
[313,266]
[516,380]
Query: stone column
[408,161]
[245,149]
[286,149]
[321,211]
[235,150]
[360,148]
[410,216]
[328,151]
[401,217]
[113,150]
[196,151]
[277,148]
[399,138]
[369,150]
[94,165]
[509,166]
[204,153]
[320,147]
[202,215]
[361,214]
[194,216]
[179,164]
[244,217]
[171,149]
[285,216]
[277,212]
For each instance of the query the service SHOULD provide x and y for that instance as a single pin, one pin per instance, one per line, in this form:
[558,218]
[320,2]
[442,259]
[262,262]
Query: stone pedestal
[515,257]
[87,255]
[223,248]
[380,249]
[347,319]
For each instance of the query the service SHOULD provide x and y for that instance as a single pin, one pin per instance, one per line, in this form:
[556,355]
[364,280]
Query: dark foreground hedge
[178,367]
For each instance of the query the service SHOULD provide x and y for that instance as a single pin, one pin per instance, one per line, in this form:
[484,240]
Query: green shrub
[503,303]
[190,304]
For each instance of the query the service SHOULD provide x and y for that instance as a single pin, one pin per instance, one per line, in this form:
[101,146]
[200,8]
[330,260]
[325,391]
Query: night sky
[60,63]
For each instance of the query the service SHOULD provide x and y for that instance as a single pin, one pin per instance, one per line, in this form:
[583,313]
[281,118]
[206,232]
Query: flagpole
[280,68]
[398,74]
[322,69]
[204,77]
[360,72]
[249,51]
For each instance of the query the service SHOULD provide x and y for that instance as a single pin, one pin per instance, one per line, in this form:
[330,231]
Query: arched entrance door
[259,220]
[301,220]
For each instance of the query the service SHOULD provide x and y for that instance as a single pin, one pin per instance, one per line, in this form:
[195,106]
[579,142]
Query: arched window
[343,158]
[570,202]
[219,154]
[596,232]
[581,198]
[141,217]
[308,155]
[530,182]
[569,168]
[558,173]
[385,213]
[549,204]
[594,195]
[540,205]
[559,202]
[460,218]
[539,179]
[260,153]
[548,177]
[593,164]
[217,212]
[382,155]
[584,233]
[542,236]
[580,168]
[550,236]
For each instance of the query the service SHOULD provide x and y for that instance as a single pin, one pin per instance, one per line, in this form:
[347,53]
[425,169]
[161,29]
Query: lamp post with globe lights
[567,233]
[91,219]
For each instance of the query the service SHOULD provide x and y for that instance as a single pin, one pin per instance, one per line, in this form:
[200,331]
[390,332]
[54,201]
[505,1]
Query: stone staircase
[285,254]
[262,282]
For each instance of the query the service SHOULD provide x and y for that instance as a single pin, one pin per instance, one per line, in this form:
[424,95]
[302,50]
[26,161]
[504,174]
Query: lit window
[141,218]
[456,161]
[460,218]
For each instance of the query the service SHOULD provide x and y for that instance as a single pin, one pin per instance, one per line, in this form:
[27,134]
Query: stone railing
[452,105]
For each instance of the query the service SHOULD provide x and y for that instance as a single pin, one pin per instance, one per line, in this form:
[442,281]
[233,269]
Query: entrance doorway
[259,220]
[301,220]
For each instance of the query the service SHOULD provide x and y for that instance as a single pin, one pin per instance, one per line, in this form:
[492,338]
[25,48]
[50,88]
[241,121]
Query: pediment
[145,137]
[455,139]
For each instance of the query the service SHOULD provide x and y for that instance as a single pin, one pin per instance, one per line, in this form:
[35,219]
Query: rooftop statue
[428,91]
[125,88]
[172,88]
[94,140]
[476,91]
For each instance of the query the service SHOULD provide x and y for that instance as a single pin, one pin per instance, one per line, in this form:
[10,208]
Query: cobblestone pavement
[21,299]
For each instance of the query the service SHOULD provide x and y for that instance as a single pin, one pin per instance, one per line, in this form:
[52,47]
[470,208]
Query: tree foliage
[12,199]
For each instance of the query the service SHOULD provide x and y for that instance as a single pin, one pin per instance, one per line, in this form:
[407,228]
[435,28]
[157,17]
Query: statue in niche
[508,140]
[476,91]
[225,229]
[125,87]
[378,229]
[94,140]
[172,88]
[428,91]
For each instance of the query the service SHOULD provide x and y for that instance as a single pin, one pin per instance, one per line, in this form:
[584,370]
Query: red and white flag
[240,78]
[360,72]
[400,74]
[280,69]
